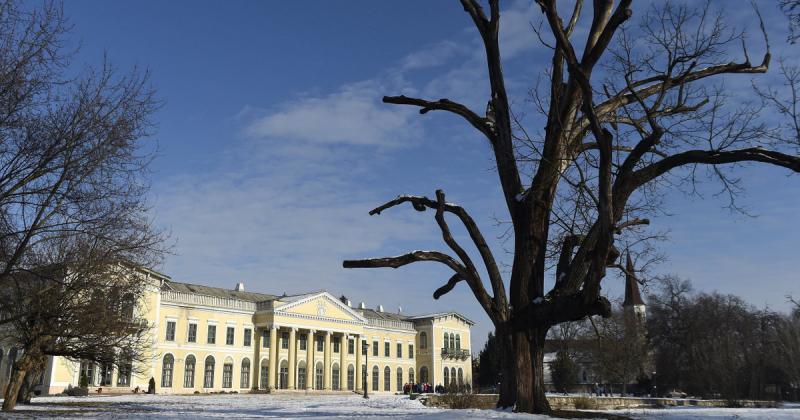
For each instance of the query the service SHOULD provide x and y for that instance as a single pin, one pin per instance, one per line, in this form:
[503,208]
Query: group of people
[418,388]
[424,388]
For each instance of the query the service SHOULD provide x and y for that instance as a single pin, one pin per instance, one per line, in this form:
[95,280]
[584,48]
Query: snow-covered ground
[687,413]
[280,406]
[294,406]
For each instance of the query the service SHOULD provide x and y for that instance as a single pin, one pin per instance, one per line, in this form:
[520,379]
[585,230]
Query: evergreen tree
[564,372]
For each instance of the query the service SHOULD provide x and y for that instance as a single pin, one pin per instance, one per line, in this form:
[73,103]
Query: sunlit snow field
[319,407]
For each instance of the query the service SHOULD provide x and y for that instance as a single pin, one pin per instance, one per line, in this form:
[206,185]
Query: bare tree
[621,354]
[633,112]
[72,195]
[792,10]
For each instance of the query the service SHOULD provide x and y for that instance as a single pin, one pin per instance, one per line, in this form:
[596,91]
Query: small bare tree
[72,196]
[632,109]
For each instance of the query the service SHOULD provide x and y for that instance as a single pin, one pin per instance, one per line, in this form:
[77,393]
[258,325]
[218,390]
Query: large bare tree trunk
[529,359]
[541,405]
[507,390]
[524,372]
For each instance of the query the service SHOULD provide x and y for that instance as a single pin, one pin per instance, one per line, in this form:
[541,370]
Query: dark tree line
[73,214]
[717,346]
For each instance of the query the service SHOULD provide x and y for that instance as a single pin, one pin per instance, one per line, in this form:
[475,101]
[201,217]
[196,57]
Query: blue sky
[273,146]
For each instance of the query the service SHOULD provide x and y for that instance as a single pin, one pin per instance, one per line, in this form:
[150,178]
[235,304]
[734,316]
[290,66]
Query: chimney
[345,300]
[380,308]
[362,305]
[239,287]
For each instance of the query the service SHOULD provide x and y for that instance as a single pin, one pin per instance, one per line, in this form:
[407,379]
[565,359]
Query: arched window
[319,375]
[188,372]
[452,341]
[411,375]
[446,342]
[227,374]
[301,375]
[166,371]
[423,340]
[283,377]
[387,379]
[452,376]
[351,378]
[375,378]
[460,377]
[458,341]
[208,377]
[399,379]
[446,377]
[335,377]
[244,380]
[423,375]
[263,380]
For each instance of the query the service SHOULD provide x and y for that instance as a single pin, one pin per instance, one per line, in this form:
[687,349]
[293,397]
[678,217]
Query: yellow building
[212,339]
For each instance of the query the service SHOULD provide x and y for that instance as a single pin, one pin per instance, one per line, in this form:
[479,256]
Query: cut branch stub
[451,283]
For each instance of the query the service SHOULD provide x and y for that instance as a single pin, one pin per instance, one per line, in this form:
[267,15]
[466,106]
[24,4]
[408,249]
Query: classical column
[310,344]
[292,357]
[359,379]
[255,375]
[273,357]
[326,369]
[342,365]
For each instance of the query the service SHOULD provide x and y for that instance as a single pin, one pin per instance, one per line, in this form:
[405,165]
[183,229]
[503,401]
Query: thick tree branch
[405,259]
[754,154]
[420,203]
[482,124]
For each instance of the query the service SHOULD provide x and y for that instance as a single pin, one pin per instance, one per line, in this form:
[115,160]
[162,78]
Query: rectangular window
[386,347]
[170,330]
[303,341]
[191,336]
[351,346]
[399,350]
[364,348]
[410,351]
[124,376]
[229,335]
[336,346]
[247,336]
[227,375]
[212,334]
[320,344]
[284,340]
[265,338]
[374,348]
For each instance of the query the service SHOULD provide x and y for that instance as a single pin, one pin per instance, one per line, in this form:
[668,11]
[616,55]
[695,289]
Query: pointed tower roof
[632,295]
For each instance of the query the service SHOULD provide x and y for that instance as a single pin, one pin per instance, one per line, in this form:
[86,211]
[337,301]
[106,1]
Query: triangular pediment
[321,305]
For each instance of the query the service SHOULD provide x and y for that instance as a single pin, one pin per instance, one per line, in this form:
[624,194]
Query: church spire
[632,295]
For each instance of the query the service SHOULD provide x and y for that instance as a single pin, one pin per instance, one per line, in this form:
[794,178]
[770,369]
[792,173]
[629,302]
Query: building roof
[261,297]
[373,314]
[217,292]
[441,314]
[632,295]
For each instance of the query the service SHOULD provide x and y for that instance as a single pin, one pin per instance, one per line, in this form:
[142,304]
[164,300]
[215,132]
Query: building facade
[208,339]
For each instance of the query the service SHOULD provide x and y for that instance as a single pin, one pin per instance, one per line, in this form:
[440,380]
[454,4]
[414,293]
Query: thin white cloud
[352,115]
[434,55]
